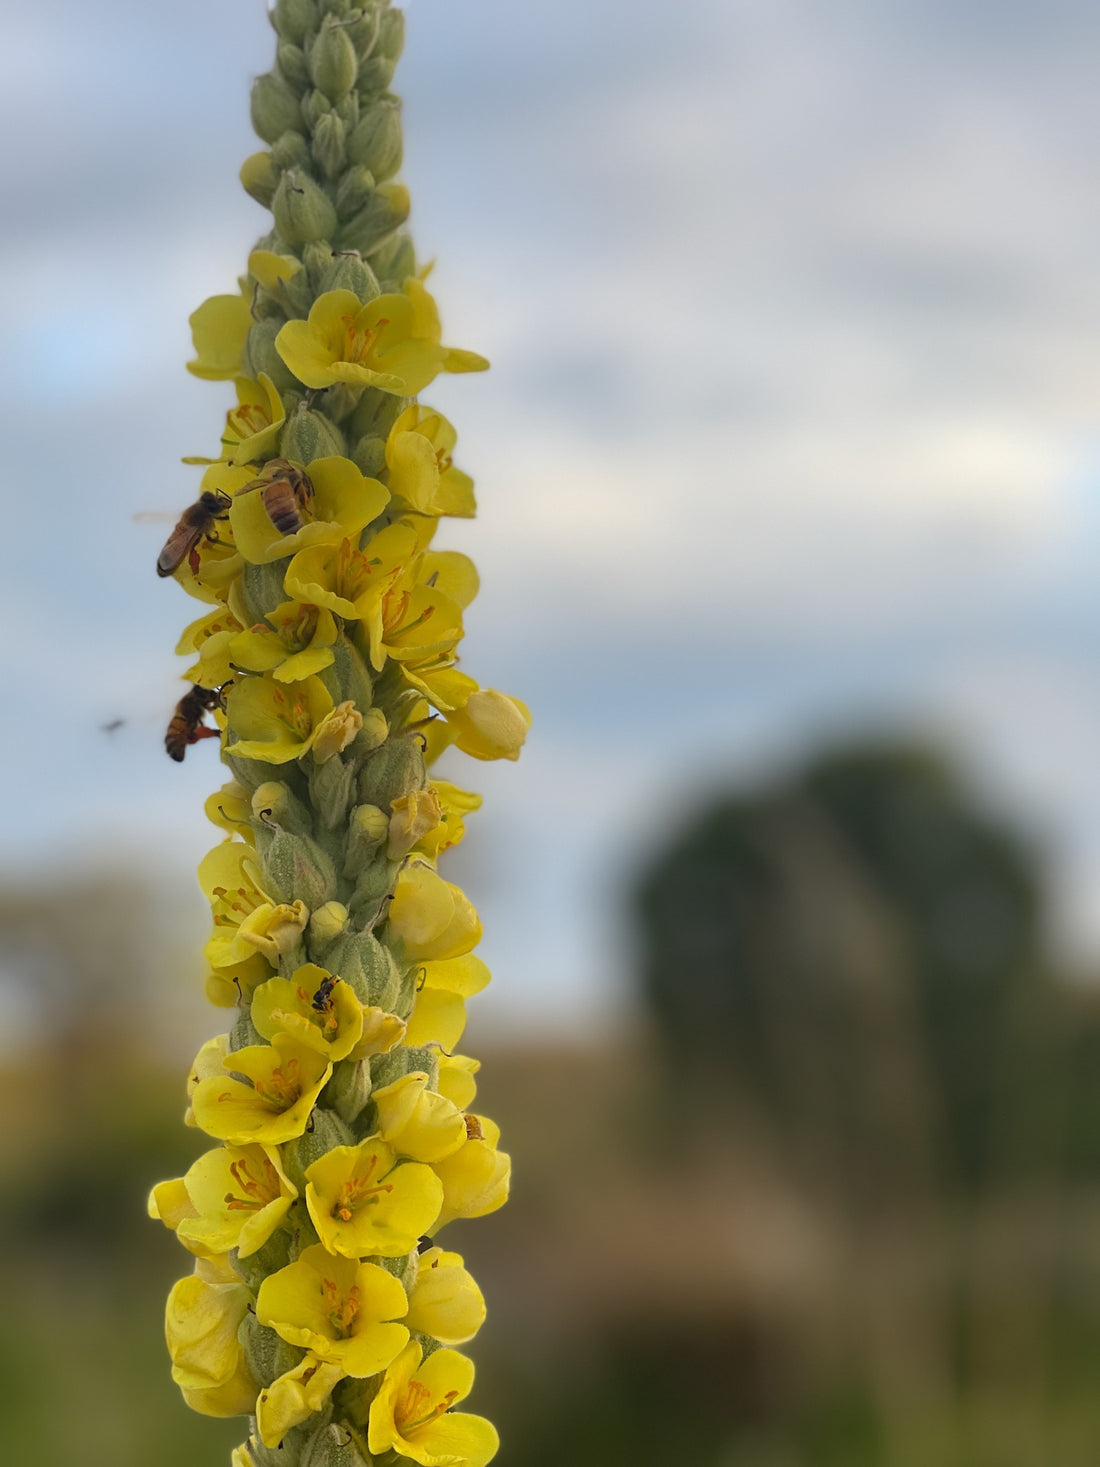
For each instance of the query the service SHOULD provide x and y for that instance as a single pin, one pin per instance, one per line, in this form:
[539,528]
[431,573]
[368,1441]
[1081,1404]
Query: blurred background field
[789,525]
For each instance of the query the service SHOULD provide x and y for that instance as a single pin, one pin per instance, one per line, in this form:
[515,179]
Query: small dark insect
[473,1128]
[286,493]
[323,997]
[186,727]
[196,521]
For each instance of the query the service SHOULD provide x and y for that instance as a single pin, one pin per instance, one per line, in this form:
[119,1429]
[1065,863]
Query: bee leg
[204,731]
[193,561]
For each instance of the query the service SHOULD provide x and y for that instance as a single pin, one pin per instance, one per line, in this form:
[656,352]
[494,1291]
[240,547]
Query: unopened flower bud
[294,19]
[275,804]
[356,189]
[349,271]
[327,1131]
[391,35]
[329,145]
[310,435]
[369,455]
[414,816]
[375,76]
[302,210]
[386,210]
[267,1355]
[336,731]
[376,142]
[491,726]
[368,827]
[327,923]
[292,64]
[290,151]
[260,354]
[333,64]
[298,869]
[394,769]
[374,732]
[315,105]
[260,178]
[335,1446]
[280,930]
[275,108]
[394,261]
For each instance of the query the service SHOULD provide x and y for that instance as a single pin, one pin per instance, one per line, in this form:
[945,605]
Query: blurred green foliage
[837,1205]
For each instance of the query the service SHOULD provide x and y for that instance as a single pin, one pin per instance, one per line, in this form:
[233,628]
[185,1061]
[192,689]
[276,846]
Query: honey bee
[196,521]
[186,727]
[323,997]
[286,492]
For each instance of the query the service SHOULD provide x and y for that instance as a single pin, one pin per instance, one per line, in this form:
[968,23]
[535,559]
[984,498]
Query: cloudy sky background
[793,428]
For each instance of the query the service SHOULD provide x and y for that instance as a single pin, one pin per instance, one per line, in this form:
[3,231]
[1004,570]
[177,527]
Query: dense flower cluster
[321,1304]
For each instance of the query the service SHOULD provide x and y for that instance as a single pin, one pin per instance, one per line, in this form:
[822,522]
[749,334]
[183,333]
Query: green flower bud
[327,1131]
[309,435]
[331,789]
[386,210]
[268,1356]
[326,925]
[275,108]
[392,771]
[362,29]
[294,19]
[315,105]
[376,142]
[260,178]
[349,271]
[298,870]
[317,258]
[333,64]
[394,262]
[244,1032]
[330,145]
[260,354]
[335,1445]
[274,803]
[386,1068]
[356,190]
[373,887]
[347,110]
[263,591]
[369,968]
[369,455]
[368,827]
[391,35]
[290,151]
[377,412]
[375,76]
[292,64]
[302,209]
[349,1089]
[374,732]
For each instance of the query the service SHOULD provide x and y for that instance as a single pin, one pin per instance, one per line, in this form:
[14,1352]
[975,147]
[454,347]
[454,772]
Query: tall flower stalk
[322,1304]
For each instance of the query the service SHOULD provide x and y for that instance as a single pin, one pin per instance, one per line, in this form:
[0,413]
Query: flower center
[359,340]
[416,1410]
[282,1087]
[342,1309]
[258,1193]
[359,1192]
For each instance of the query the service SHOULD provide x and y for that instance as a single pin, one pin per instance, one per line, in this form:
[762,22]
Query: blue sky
[793,426]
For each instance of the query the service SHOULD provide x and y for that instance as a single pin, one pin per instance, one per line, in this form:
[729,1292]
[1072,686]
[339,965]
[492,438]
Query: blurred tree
[850,949]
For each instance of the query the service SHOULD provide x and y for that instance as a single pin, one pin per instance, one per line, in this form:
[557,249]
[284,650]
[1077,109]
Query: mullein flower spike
[325,660]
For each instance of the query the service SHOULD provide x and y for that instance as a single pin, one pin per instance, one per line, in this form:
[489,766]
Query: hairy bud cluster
[321,1305]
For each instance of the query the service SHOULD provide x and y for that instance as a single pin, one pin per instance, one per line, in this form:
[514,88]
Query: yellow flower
[339,1308]
[201,1320]
[206,1063]
[313,1008]
[361,1201]
[444,1302]
[293,642]
[272,1103]
[252,428]
[456,1079]
[454,803]
[476,1177]
[271,270]
[411,1414]
[236,1196]
[275,722]
[230,808]
[352,582]
[490,725]
[392,343]
[294,1397]
[230,878]
[337,730]
[430,917]
[219,329]
[421,471]
[381,1031]
[210,637]
[343,503]
[439,1016]
[416,816]
[416,1121]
